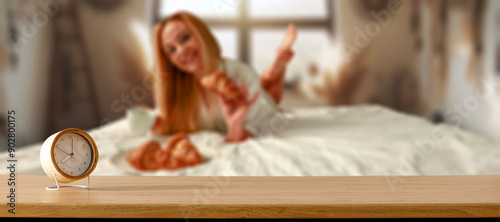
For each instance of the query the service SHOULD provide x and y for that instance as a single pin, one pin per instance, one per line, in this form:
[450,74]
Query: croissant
[180,152]
[146,156]
[219,82]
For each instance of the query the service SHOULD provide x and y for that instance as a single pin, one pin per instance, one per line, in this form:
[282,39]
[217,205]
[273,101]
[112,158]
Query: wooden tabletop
[258,197]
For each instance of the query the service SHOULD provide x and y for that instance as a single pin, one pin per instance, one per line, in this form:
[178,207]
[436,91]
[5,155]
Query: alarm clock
[69,155]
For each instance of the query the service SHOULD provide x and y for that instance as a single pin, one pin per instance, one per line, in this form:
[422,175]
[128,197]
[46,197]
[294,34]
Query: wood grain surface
[258,197]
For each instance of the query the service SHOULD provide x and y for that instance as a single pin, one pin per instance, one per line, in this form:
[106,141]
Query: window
[312,41]
[290,9]
[211,9]
[250,30]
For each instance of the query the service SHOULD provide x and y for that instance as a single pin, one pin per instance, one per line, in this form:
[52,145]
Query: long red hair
[177,94]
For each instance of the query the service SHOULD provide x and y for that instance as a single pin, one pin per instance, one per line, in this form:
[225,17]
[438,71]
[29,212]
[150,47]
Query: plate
[119,161]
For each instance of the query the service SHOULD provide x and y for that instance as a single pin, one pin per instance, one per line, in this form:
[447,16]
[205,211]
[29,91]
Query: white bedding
[327,141]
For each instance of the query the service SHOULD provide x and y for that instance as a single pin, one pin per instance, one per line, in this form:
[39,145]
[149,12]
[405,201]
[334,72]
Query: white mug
[140,120]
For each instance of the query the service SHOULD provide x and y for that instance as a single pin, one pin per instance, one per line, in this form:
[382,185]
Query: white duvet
[327,141]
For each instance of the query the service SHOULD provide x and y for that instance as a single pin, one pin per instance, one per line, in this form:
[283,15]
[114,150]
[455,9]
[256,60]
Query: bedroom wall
[480,115]
[27,84]
[388,43]
[493,65]
[106,32]
[3,66]
[391,53]
[4,54]
[114,61]
[109,36]
[496,65]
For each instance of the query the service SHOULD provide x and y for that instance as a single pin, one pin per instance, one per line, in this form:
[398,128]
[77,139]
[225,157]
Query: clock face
[73,154]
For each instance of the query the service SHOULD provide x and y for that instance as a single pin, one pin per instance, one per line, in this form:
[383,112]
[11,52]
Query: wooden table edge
[467,206]
[261,211]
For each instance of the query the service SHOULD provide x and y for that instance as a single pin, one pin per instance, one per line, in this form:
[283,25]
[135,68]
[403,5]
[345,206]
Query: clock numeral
[79,169]
[84,163]
[86,154]
[71,172]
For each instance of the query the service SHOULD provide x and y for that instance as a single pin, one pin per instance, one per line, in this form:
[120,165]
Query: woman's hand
[235,111]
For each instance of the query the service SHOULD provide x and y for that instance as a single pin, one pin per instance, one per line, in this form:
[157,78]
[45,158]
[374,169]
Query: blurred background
[83,63]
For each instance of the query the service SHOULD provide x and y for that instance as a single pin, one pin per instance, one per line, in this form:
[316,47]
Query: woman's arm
[236,132]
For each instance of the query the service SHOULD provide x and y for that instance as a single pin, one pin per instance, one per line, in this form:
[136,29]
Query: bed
[362,140]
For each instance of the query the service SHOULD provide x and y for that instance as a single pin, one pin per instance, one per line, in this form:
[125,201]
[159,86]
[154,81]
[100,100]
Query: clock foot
[57,187]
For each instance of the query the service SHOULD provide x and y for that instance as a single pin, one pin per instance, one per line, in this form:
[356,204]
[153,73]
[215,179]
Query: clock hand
[58,147]
[71,145]
[67,158]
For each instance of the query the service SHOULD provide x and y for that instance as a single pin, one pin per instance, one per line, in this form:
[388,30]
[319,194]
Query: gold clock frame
[53,171]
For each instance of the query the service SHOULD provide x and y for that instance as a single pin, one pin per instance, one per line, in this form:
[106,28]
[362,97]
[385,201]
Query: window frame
[244,25]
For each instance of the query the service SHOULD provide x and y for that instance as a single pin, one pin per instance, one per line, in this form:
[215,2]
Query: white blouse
[260,113]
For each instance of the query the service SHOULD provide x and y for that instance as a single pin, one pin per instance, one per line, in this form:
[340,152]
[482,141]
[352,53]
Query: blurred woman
[186,52]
